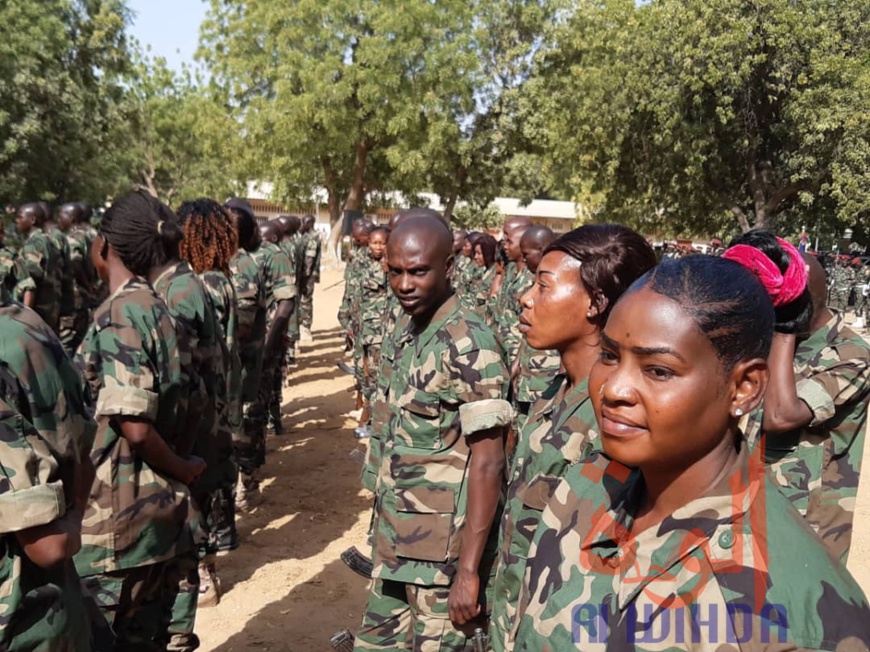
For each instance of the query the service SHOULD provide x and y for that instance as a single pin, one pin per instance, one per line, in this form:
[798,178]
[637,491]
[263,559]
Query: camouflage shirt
[558,435]
[14,278]
[373,294]
[67,282]
[450,382]
[44,263]
[735,569]
[40,608]
[291,248]
[313,247]
[537,369]
[136,514]
[279,276]
[478,298]
[45,432]
[251,309]
[352,273]
[82,267]
[191,306]
[508,316]
[818,466]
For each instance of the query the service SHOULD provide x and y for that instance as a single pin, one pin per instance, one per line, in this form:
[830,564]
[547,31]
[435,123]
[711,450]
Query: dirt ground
[286,588]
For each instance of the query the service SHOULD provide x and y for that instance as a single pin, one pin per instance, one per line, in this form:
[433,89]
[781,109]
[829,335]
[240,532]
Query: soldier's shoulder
[133,304]
[467,332]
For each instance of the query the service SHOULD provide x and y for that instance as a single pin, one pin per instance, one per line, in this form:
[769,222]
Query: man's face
[64,220]
[419,276]
[512,244]
[25,221]
[531,252]
[361,238]
[458,243]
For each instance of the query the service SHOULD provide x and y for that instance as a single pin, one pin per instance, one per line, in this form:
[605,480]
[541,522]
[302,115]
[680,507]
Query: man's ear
[749,380]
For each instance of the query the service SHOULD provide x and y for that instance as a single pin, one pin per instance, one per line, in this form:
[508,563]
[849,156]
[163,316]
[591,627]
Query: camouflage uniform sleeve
[479,381]
[841,383]
[126,373]
[24,282]
[34,260]
[284,274]
[247,296]
[31,492]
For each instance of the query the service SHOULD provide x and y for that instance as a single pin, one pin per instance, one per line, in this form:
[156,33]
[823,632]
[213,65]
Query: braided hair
[143,231]
[210,236]
[612,257]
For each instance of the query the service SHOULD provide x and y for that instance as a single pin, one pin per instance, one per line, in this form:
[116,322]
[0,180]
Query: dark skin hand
[485,476]
[151,447]
[783,410]
[279,326]
[29,298]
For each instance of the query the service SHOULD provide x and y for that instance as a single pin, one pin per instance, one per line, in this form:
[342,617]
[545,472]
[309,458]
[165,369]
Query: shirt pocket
[419,419]
[424,522]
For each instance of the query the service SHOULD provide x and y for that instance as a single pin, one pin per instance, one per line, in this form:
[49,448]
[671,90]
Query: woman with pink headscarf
[813,421]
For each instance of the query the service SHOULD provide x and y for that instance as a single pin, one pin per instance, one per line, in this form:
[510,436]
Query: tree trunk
[333,201]
[448,208]
[357,186]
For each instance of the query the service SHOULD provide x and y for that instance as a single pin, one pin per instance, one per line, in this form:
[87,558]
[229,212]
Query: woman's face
[378,244]
[466,248]
[478,256]
[660,392]
[554,310]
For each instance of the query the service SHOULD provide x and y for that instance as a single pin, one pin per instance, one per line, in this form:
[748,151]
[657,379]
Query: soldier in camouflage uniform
[460,262]
[292,244]
[14,278]
[359,254]
[313,248]
[209,243]
[44,264]
[279,281]
[136,532]
[535,370]
[479,295]
[442,460]
[581,276]
[373,288]
[677,539]
[67,282]
[814,421]
[82,274]
[249,442]
[46,437]
[842,280]
[518,280]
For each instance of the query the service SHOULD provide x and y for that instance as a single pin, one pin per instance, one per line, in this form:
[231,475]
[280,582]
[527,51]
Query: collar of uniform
[444,312]
[171,270]
[130,284]
[569,399]
[713,521]
[34,233]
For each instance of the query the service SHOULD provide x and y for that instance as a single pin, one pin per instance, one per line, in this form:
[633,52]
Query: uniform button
[726,539]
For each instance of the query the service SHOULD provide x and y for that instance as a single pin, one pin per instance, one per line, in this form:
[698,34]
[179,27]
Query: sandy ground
[286,588]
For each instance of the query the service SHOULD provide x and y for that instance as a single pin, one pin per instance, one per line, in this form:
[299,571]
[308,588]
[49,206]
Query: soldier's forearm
[783,410]
[485,478]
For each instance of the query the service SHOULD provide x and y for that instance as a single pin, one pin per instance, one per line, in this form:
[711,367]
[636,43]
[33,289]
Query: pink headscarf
[782,288]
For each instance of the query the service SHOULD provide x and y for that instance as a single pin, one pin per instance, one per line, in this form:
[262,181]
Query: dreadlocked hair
[210,236]
[143,231]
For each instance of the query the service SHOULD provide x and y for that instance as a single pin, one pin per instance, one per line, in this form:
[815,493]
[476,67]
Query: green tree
[184,135]
[61,69]
[326,86]
[685,113]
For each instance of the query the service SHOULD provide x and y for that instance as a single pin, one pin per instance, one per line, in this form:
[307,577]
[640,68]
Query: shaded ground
[285,587]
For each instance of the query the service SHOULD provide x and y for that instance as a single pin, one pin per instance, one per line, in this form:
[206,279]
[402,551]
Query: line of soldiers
[140,366]
[848,285]
[494,470]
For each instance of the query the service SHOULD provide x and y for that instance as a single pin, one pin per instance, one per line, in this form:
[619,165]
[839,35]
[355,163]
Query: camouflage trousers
[73,329]
[367,359]
[403,616]
[306,306]
[249,444]
[838,298]
[144,606]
